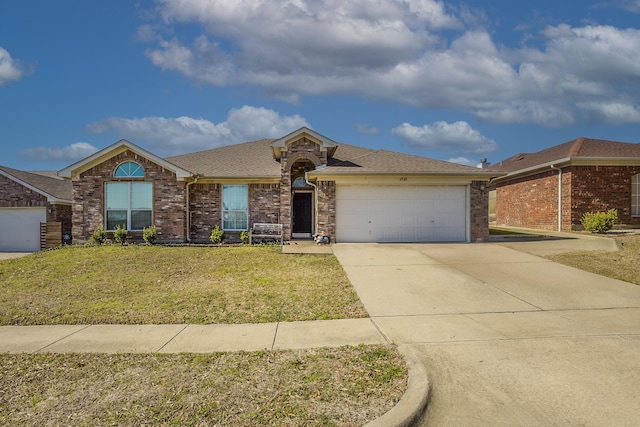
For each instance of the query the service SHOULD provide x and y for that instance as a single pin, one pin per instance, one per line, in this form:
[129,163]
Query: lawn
[140,284]
[623,264]
[346,386]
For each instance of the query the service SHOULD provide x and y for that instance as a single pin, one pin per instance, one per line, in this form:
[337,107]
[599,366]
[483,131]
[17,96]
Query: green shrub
[244,236]
[599,222]
[99,236]
[120,234]
[149,234]
[217,235]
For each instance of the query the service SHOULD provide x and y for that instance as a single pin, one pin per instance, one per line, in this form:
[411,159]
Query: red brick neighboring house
[553,188]
[304,180]
[28,199]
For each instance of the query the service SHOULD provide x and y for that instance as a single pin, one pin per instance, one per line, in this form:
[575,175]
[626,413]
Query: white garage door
[20,229]
[401,214]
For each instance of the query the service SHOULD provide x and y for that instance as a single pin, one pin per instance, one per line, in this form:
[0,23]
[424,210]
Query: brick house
[304,180]
[552,189]
[28,199]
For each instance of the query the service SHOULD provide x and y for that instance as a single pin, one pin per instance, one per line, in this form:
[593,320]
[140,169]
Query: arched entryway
[302,201]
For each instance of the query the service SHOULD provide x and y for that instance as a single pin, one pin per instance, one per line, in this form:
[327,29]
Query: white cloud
[70,153]
[456,137]
[366,129]
[9,68]
[611,112]
[631,5]
[414,52]
[462,161]
[170,136]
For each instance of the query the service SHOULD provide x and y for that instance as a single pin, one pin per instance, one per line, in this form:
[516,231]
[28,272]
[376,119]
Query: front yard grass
[346,386]
[623,264]
[138,284]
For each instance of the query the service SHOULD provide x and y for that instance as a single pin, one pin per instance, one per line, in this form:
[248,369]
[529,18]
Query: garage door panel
[401,214]
[20,229]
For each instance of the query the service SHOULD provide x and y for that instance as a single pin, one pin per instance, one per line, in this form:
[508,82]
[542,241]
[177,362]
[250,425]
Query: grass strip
[622,265]
[346,386]
[157,284]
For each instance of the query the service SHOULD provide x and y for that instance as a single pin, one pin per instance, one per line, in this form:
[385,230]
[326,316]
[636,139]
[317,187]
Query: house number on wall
[404,178]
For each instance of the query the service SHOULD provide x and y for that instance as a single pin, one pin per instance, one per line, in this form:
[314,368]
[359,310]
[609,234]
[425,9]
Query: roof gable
[55,189]
[325,143]
[118,147]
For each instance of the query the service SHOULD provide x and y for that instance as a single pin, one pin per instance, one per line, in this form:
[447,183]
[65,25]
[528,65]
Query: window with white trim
[128,203]
[235,207]
[635,195]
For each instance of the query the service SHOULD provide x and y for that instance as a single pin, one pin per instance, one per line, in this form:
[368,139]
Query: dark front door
[302,213]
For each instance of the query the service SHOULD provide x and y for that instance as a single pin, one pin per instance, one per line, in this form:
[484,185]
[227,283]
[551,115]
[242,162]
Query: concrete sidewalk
[187,338]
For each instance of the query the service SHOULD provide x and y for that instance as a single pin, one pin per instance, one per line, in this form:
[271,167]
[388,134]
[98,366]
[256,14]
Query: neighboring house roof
[582,150]
[56,190]
[87,163]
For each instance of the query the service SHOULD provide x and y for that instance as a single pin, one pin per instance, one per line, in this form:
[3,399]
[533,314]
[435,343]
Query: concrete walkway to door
[507,338]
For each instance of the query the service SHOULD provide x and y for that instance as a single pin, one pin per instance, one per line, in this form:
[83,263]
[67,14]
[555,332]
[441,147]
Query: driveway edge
[413,402]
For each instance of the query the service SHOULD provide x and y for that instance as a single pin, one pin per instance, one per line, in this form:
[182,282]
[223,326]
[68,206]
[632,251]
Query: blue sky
[451,80]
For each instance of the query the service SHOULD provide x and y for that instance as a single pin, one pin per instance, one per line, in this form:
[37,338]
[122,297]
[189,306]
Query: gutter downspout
[553,167]
[188,203]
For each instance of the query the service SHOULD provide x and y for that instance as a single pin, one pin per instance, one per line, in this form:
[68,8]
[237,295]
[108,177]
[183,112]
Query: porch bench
[264,231]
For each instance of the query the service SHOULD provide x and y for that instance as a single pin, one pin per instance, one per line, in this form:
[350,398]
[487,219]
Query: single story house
[304,181]
[28,199]
[552,189]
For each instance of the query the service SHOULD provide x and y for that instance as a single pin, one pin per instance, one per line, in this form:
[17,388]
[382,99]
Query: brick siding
[169,204]
[600,188]
[204,208]
[300,156]
[61,214]
[14,195]
[327,207]
[264,203]
[479,211]
[532,201]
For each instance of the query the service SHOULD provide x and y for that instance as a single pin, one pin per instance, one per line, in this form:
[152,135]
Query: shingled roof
[250,159]
[255,160]
[581,148]
[46,183]
[349,159]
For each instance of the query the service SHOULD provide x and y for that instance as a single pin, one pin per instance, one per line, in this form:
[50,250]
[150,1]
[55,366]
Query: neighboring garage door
[401,214]
[20,229]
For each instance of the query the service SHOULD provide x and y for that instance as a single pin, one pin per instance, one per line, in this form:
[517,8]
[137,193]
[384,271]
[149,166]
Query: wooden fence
[50,235]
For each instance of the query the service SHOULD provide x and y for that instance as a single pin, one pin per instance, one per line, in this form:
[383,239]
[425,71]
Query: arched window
[129,170]
[635,195]
[129,203]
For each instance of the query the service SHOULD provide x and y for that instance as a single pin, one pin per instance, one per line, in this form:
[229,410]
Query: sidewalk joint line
[275,335]
[172,338]
[375,325]
[63,338]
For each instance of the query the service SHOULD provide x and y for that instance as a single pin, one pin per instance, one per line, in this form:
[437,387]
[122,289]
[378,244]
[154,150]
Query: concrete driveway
[10,255]
[508,338]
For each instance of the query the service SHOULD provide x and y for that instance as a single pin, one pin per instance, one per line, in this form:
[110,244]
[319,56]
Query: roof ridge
[575,147]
